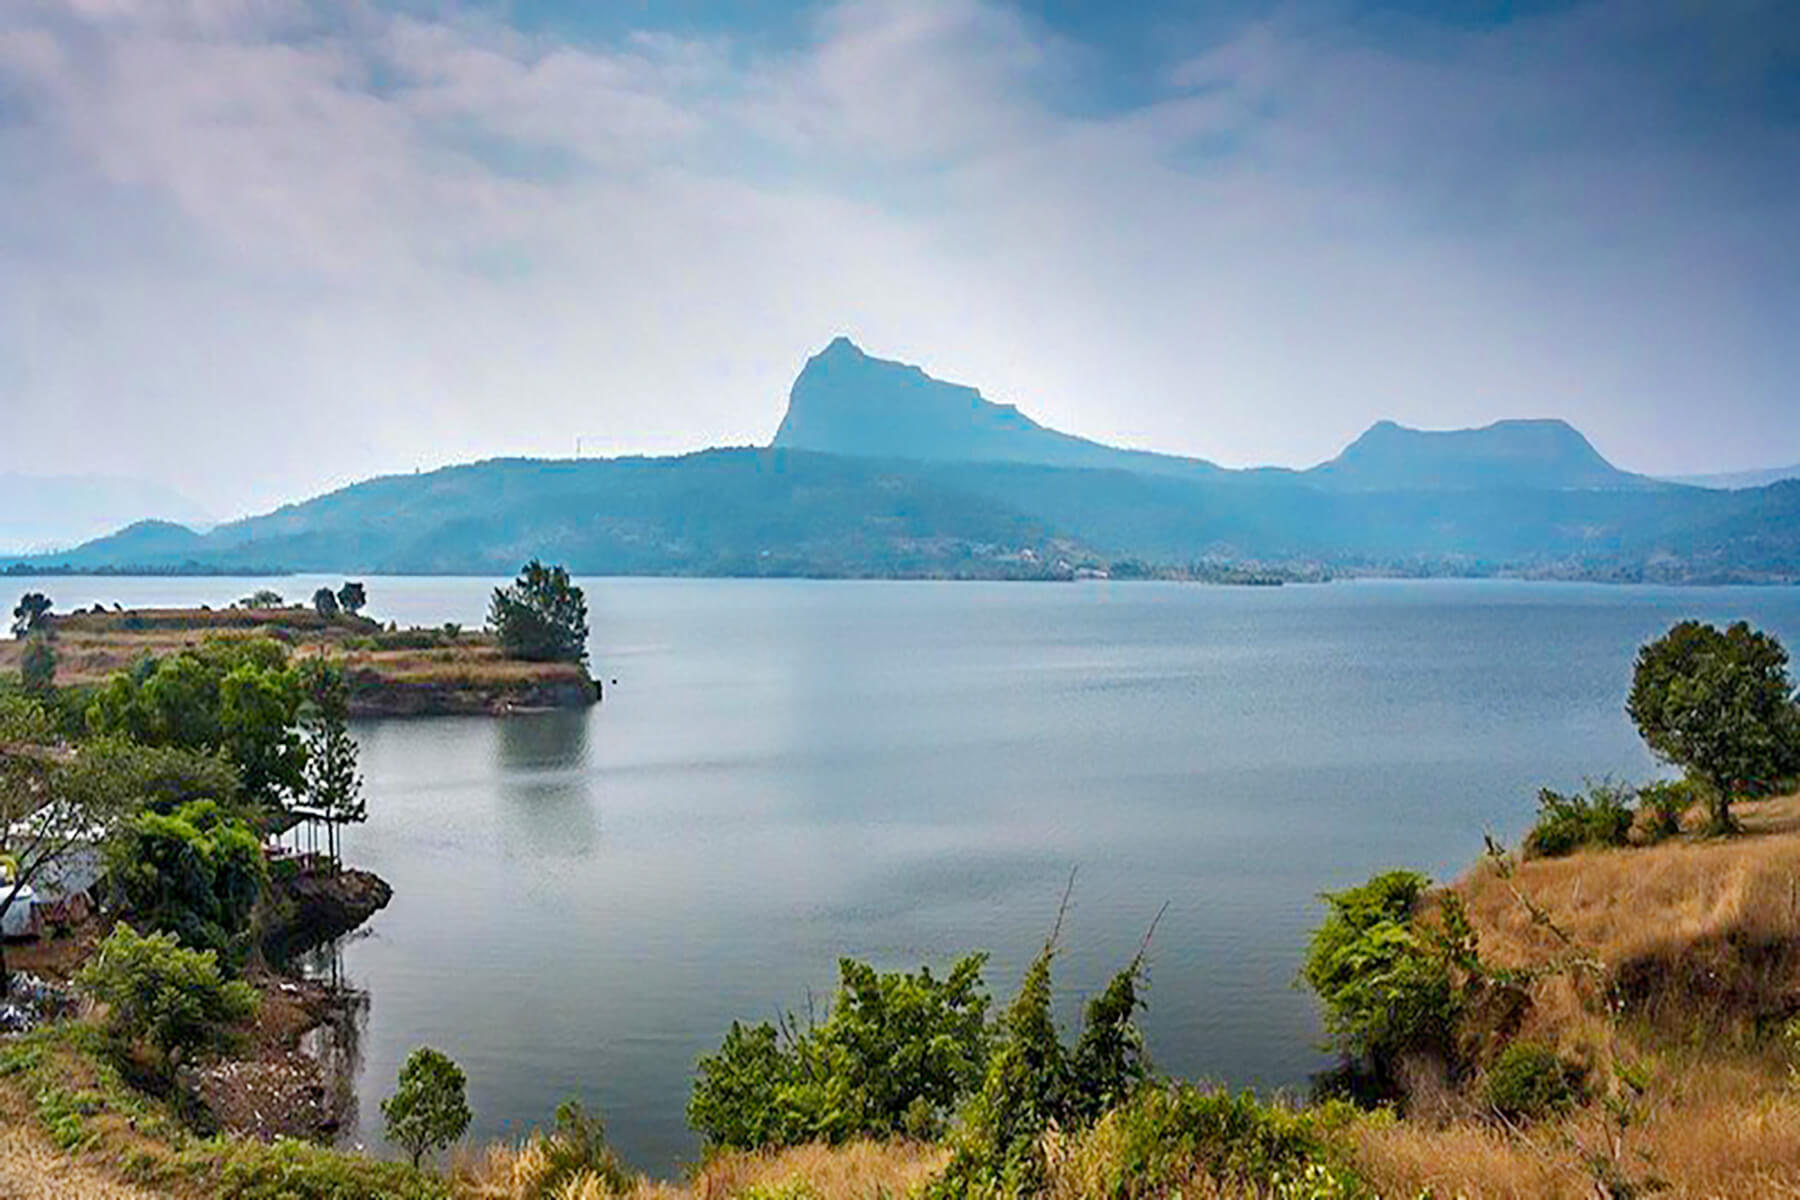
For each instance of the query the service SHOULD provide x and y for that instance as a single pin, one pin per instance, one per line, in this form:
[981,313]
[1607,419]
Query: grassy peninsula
[388,671]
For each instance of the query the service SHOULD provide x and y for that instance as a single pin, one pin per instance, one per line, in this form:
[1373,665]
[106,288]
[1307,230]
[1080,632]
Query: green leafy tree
[1720,705]
[333,792]
[325,603]
[352,597]
[999,1152]
[30,613]
[195,873]
[258,709]
[1387,988]
[897,1054]
[430,1108]
[154,989]
[541,616]
[262,598]
[37,665]
[237,696]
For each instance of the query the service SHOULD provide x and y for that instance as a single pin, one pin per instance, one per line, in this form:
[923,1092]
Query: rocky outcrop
[309,910]
[374,695]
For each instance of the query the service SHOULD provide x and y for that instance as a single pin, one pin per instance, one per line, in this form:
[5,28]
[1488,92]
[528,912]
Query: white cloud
[256,249]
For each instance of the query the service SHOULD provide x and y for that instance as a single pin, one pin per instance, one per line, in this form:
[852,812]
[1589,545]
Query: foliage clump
[429,1108]
[895,1055]
[1600,818]
[541,616]
[1035,1085]
[194,873]
[1529,1080]
[37,665]
[156,990]
[237,696]
[1386,989]
[30,614]
[1172,1139]
[571,1160]
[1720,705]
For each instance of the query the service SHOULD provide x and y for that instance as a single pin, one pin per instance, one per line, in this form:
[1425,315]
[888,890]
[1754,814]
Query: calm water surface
[786,772]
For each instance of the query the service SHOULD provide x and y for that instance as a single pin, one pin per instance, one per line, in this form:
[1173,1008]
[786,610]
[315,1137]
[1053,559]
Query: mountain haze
[880,470]
[848,402]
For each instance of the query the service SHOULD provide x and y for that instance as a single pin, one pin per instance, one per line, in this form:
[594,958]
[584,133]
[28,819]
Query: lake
[785,772]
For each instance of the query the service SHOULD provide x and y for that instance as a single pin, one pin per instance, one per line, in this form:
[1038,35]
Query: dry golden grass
[90,647]
[1698,939]
[32,1169]
[856,1171]
[1692,929]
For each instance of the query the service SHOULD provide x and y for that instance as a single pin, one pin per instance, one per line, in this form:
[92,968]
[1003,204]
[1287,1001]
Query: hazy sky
[258,248]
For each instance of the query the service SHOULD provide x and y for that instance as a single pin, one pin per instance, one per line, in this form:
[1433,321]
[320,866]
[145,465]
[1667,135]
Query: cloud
[256,249]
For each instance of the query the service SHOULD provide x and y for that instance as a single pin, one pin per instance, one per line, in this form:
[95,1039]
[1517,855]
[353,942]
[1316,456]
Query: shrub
[1663,804]
[573,1155]
[325,603]
[1529,1080]
[1169,1137]
[1034,1086]
[897,1053]
[173,998]
[1599,819]
[429,1109]
[37,665]
[1386,987]
[195,873]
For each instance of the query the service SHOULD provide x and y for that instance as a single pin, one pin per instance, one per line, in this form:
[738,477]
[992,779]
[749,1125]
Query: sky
[257,249]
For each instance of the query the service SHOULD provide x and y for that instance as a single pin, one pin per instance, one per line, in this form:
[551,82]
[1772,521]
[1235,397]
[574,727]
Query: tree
[173,998]
[325,603]
[30,613]
[37,665]
[195,873]
[333,786]
[1721,706]
[541,616]
[53,802]
[351,597]
[430,1108]
[234,695]
[262,598]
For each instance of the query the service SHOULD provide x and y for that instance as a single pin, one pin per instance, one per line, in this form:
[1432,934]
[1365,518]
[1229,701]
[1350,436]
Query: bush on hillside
[1662,805]
[1034,1085]
[194,873]
[1177,1139]
[1387,987]
[896,1055]
[1528,1081]
[1598,819]
[155,990]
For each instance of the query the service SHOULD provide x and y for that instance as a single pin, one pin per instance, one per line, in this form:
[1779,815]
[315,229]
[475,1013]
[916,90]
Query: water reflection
[336,1042]
[547,806]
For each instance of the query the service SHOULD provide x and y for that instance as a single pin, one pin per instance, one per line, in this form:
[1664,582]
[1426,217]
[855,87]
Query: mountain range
[878,469]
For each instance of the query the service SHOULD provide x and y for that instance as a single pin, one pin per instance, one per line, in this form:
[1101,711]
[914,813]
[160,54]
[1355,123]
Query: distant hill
[880,470]
[1738,479]
[848,402]
[44,512]
[1544,454]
